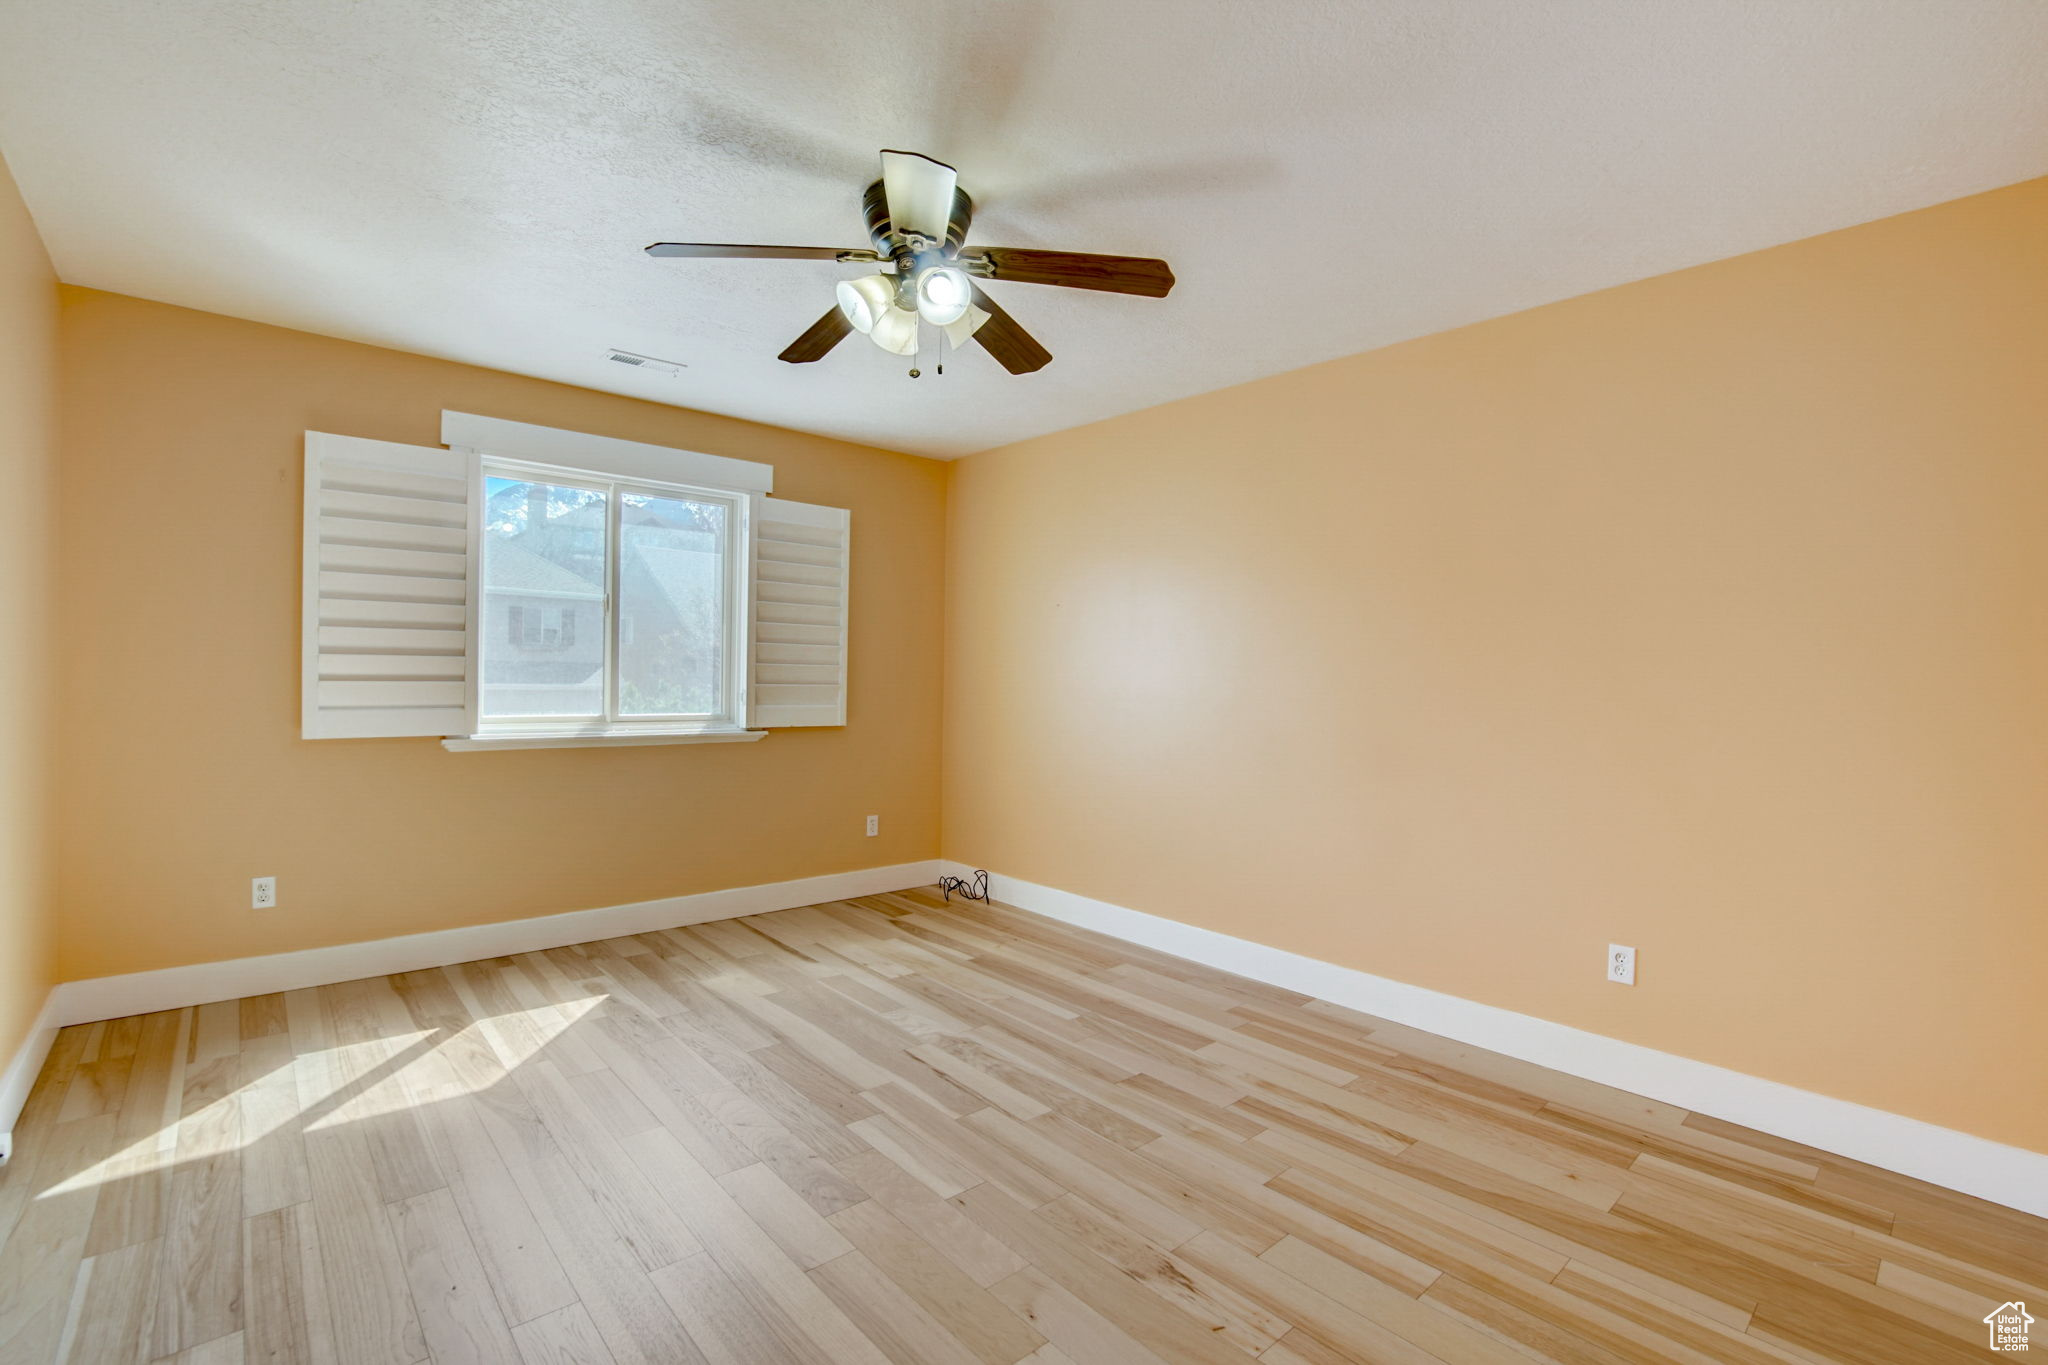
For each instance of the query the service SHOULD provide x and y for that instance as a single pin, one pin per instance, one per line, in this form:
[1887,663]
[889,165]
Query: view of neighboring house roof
[674,571]
[510,566]
[514,568]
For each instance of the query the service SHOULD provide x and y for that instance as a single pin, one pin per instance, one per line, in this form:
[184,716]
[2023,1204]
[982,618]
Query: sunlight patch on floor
[339,1085]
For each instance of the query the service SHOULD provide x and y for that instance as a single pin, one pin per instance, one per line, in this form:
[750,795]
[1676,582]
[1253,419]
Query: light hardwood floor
[893,1130]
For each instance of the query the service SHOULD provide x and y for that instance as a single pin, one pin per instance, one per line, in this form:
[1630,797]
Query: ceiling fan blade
[920,193]
[1013,347]
[781,253]
[820,337]
[1076,270]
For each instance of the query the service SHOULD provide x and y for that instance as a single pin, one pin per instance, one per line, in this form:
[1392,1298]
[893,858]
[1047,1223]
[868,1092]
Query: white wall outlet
[874,825]
[262,893]
[1621,964]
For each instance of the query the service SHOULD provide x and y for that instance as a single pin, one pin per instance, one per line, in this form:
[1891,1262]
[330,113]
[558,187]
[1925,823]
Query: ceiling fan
[917,218]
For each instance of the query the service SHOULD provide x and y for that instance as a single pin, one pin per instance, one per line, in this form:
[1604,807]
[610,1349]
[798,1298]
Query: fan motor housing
[875,203]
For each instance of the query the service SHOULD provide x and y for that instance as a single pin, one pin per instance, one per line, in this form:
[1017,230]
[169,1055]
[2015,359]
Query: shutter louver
[797,673]
[386,625]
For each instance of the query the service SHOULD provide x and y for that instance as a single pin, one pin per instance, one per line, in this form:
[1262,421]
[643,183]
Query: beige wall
[1708,614]
[183,773]
[28,464]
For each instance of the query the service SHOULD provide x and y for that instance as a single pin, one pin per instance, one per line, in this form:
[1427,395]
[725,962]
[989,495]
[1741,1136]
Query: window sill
[591,739]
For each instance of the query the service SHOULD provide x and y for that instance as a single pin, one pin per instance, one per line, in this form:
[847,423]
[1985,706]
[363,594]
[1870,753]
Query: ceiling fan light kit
[917,217]
[865,300]
[896,331]
[943,294]
[962,329]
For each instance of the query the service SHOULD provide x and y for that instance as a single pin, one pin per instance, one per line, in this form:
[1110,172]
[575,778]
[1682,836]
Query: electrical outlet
[262,893]
[874,825]
[1621,964]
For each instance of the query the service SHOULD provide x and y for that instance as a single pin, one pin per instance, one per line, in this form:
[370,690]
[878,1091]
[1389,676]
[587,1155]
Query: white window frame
[573,459]
[732,599]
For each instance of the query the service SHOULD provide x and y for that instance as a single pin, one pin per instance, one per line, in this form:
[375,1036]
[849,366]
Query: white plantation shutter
[797,670]
[389,539]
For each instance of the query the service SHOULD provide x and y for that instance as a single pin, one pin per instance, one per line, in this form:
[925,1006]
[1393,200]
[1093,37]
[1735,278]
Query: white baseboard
[21,1073]
[2011,1176]
[113,997]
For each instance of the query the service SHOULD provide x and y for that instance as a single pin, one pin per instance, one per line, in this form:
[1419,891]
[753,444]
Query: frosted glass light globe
[895,330]
[943,294]
[866,299]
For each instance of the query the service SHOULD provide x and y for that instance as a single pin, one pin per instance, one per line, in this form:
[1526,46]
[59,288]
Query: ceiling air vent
[649,363]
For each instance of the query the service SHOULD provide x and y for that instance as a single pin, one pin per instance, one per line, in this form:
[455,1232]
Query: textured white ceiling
[474,179]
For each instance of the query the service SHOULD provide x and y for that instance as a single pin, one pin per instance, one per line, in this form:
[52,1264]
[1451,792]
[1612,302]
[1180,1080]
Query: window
[619,599]
[528,587]
[540,627]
